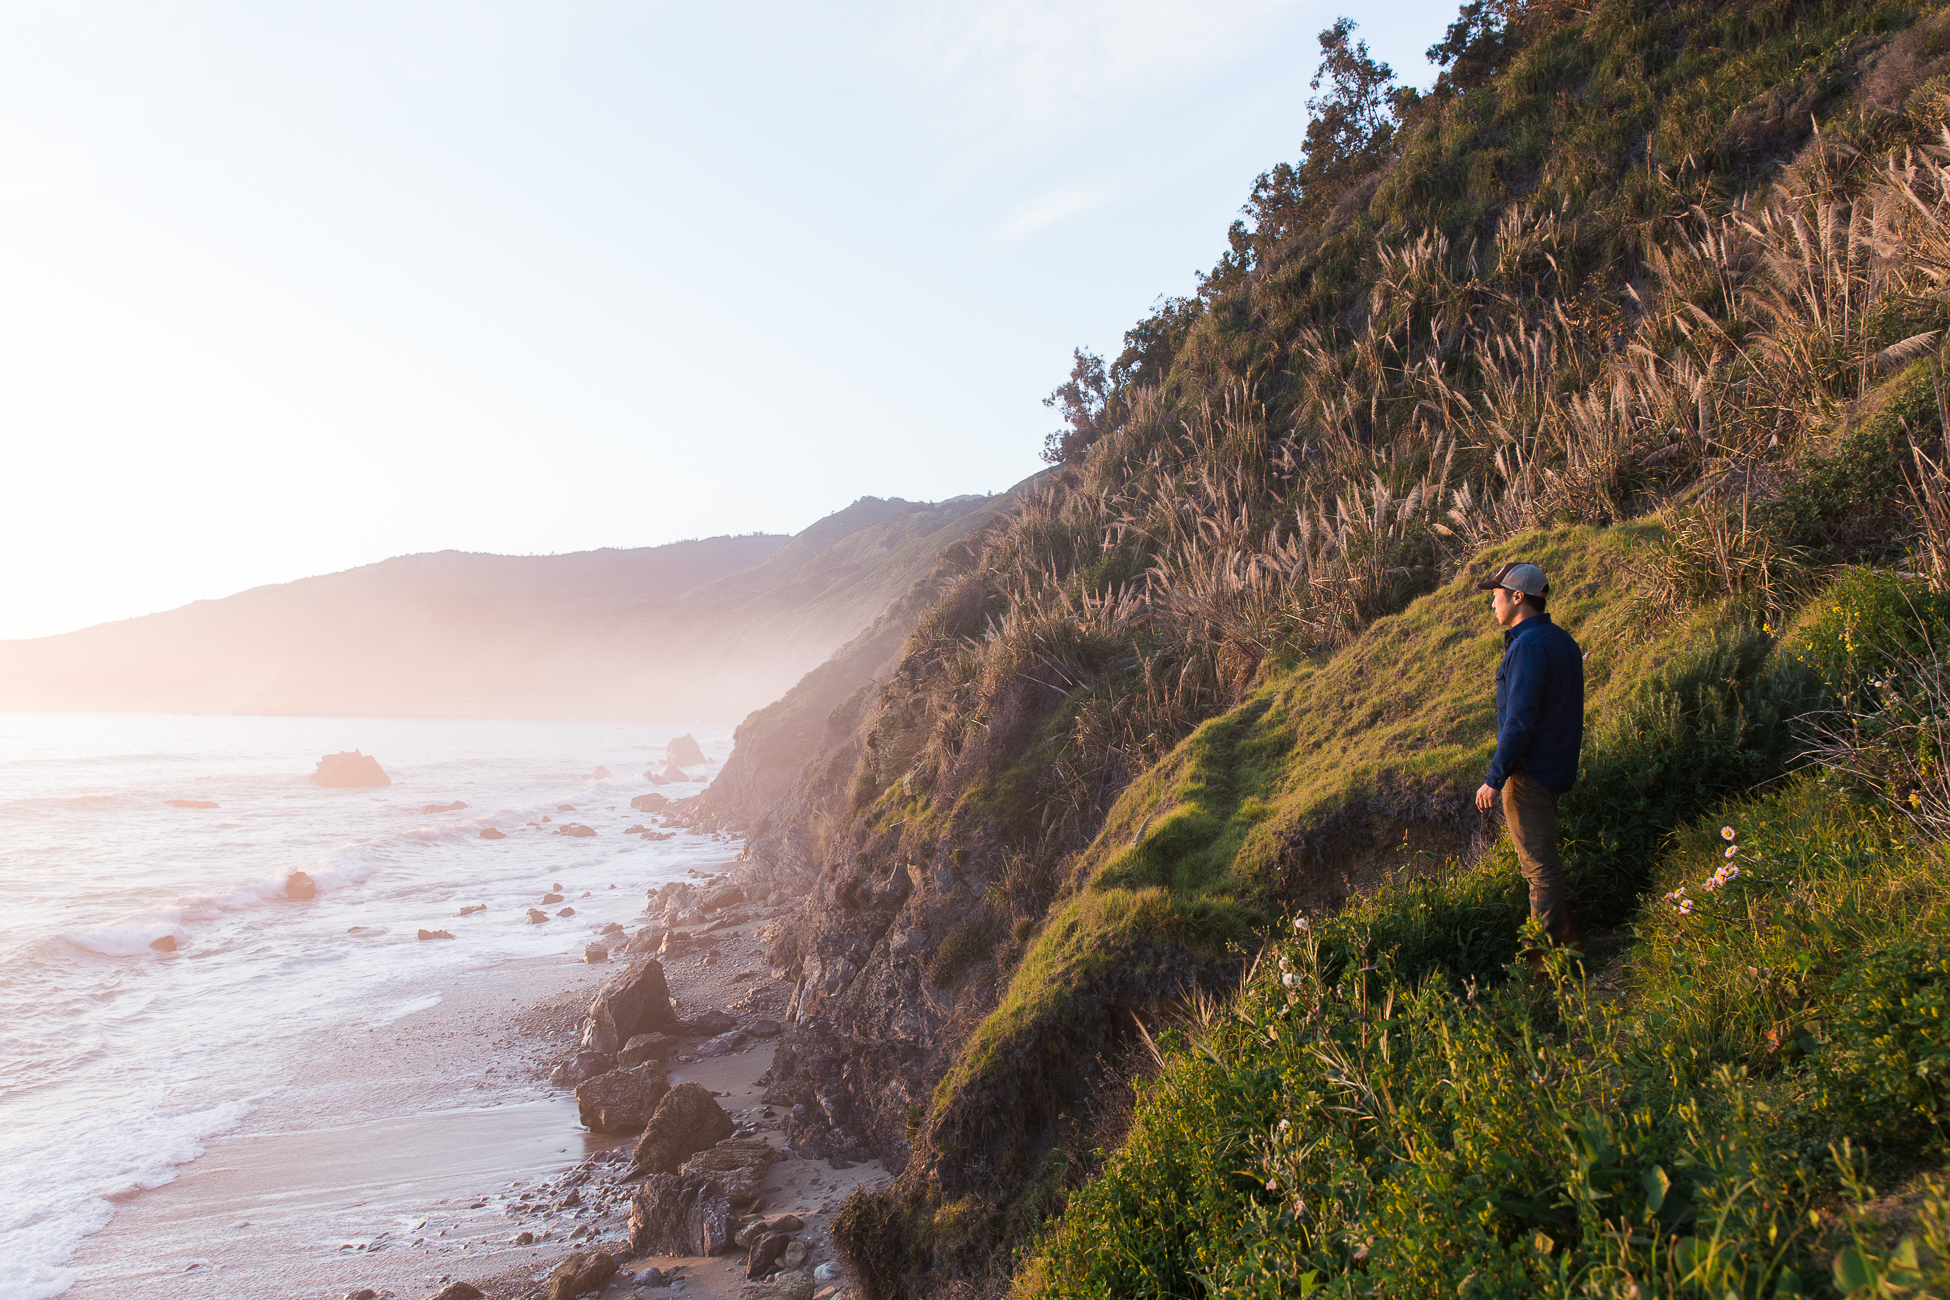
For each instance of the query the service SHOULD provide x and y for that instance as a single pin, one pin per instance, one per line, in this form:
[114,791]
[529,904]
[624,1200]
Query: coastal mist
[121,1060]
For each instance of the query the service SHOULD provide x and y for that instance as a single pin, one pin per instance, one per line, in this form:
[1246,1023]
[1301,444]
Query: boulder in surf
[350,769]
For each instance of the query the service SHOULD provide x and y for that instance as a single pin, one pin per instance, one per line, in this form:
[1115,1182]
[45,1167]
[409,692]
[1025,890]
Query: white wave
[130,939]
[52,1199]
[406,1008]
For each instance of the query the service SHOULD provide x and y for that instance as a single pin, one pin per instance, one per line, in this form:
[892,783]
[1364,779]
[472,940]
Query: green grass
[1360,1133]
[1379,744]
[1379,1113]
[1372,749]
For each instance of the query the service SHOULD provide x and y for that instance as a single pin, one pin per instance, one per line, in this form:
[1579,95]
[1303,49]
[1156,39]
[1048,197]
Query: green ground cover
[1381,1112]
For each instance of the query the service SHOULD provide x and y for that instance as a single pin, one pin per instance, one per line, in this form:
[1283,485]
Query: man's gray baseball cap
[1527,578]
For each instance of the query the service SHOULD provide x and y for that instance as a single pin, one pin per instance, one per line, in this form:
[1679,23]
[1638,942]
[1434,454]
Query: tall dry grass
[1272,515]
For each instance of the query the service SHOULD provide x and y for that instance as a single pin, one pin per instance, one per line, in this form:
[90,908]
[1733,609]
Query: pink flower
[1726,832]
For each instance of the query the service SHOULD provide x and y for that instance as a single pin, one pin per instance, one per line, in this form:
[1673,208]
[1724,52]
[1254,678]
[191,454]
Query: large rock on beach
[709,1023]
[644,941]
[576,829]
[722,1045]
[582,1272]
[636,1001]
[683,752]
[354,770]
[646,1047]
[458,1291]
[580,1068]
[737,1165]
[676,1215]
[622,1101]
[763,1258]
[796,1284]
[300,887]
[649,802]
[536,916]
[165,944]
[489,833]
[719,899]
[688,1120]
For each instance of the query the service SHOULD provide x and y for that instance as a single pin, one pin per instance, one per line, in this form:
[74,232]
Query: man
[1539,727]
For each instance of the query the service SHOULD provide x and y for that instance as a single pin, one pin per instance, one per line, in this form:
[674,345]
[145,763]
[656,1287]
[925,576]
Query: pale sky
[291,287]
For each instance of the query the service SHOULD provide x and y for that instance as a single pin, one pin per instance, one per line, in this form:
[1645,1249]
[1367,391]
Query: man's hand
[1486,796]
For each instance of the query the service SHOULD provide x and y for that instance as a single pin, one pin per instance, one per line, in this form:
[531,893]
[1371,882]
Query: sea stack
[683,752]
[354,770]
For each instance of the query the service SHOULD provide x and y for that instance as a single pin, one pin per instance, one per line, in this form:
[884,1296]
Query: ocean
[120,1062]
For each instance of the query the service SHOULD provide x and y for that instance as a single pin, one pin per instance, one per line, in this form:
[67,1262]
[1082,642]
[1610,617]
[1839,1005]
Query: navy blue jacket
[1539,706]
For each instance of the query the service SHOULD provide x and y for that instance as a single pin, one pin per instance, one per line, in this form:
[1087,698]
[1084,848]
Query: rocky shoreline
[706,1182]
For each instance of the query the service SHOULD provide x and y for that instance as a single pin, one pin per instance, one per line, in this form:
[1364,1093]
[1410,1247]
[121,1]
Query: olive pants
[1531,811]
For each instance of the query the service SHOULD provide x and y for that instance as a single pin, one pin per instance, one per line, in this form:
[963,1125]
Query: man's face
[1506,606]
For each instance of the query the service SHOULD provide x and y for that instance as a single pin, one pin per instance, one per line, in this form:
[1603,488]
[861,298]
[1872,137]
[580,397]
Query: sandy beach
[407,1155]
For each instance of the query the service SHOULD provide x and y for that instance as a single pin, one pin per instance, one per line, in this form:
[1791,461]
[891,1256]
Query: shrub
[1885,1066]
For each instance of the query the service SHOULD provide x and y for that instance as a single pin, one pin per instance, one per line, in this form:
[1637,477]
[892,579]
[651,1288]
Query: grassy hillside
[1377,1113]
[1605,298]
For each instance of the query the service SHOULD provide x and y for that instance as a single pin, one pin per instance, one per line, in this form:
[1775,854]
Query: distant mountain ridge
[707,628]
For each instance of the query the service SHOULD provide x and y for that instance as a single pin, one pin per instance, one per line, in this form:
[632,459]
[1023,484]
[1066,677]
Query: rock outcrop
[580,1068]
[489,833]
[351,770]
[688,1120]
[676,1214]
[737,1165]
[600,774]
[669,774]
[683,752]
[622,1101]
[458,1291]
[646,1047]
[576,829]
[636,1001]
[300,887]
[649,802]
[763,1258]
[581,1273]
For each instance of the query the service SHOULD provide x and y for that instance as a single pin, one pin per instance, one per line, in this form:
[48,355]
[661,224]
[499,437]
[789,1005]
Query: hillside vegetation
[1651,294]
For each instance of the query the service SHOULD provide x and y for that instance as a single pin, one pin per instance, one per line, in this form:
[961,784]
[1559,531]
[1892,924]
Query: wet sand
[407,1155]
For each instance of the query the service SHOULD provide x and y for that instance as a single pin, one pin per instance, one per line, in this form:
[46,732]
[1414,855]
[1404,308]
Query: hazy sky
[286,288]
